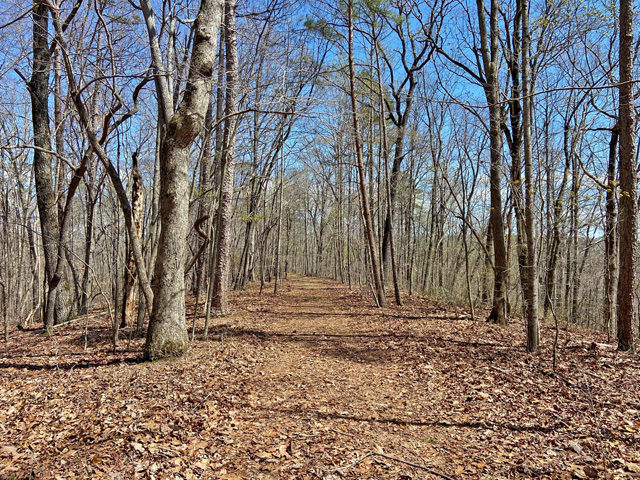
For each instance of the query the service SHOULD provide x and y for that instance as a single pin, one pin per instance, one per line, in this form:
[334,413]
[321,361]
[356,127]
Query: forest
[315,239]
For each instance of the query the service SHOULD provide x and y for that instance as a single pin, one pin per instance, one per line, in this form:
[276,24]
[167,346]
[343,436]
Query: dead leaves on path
[318,384]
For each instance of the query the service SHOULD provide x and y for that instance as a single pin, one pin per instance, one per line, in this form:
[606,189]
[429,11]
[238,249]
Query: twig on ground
[343,433]
[199,404]
[411,464]
[307,435]
[353,463]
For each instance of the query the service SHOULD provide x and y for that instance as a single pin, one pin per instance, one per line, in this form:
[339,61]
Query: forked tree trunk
[389,235]
[167,335]
[54,310]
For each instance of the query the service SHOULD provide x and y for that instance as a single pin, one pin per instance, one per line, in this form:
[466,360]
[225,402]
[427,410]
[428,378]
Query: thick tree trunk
[167,335]
[54,310]
[628,186]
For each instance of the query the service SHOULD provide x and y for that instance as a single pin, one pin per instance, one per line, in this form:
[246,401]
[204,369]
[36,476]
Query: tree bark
[388,235]
[167,335]
[628,186]
[131,273]
[531,292]
[54,309]
[489,49]
[220,300]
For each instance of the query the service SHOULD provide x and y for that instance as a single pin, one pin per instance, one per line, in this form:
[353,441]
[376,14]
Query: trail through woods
[317,383]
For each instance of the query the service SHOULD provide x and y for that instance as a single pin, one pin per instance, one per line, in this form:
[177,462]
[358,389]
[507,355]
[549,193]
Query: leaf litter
[317,383]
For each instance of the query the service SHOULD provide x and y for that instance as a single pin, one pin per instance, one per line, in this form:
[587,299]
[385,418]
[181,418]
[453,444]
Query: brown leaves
[317,383]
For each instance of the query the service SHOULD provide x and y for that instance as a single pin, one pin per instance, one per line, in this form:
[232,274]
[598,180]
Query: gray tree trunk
[490,49]
[220,299]
[55,308]
[167,335]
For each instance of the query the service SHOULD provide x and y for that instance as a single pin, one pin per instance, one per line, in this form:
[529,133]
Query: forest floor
[317,383]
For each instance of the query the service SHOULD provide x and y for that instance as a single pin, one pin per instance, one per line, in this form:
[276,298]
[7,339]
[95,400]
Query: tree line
[481,152]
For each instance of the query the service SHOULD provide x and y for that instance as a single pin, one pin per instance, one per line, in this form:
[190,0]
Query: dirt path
[316,383]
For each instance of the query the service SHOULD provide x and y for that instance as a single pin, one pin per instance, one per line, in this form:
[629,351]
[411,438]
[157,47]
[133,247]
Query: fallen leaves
[317,383]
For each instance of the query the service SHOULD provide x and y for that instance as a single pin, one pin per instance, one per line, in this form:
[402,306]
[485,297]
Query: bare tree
[366,211]
[167,334]
[628,186]
[489,40]
[531,291]
[57,306]
[220,300]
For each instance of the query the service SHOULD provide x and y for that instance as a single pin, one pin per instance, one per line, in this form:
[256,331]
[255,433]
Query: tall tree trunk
[167,334]
[571,291]
[389,236]
[90,206]
[628,187]
[366,211]
[514,141]
[45,193]
[66,305]
[610,237]
[555,240]
[215,178]
[489,49]
[531,292]
[220,299]
[277,269]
